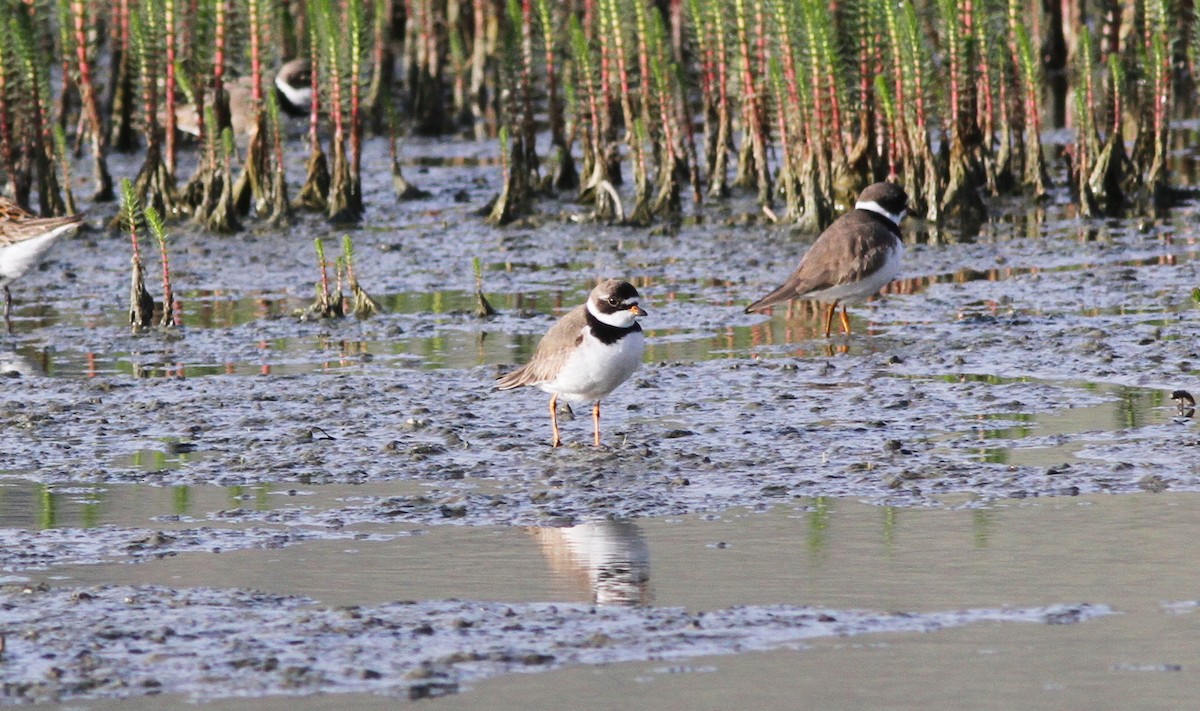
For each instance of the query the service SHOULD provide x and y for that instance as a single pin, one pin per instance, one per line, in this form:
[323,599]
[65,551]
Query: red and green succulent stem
[169,30]
[354,10]
[7,151]
[256,89]
[218,75]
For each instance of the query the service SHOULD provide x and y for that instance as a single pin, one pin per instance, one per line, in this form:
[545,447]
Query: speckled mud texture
[1032,358]
[119,641]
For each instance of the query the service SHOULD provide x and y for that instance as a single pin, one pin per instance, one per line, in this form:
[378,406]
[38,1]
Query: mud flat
[146,477]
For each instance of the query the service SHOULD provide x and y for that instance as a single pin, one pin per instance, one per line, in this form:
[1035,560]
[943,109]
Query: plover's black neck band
[891,226]
[285,103]
[607,334]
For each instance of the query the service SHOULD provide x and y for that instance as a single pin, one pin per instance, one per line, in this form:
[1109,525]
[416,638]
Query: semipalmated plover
[853,258]
[24,238]
[587,353]
[293,87]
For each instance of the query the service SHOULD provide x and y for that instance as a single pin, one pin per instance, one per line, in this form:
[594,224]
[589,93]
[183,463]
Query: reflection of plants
[818,525]
[995,455]
[1013,432]
[981,526]
[1128,412]
[180,500]
[262,497]
[153,460]
[890,514]
[47,507]
[91,509]
[483,308]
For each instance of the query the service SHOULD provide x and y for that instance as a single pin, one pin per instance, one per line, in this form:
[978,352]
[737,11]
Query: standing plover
[24,238]
[853,258]
[587,353]
[293,88]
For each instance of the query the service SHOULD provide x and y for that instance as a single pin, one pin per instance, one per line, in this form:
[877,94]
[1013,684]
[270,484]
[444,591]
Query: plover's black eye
[612,301]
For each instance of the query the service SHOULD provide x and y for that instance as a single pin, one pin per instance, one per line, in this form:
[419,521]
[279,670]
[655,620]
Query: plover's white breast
[595,369]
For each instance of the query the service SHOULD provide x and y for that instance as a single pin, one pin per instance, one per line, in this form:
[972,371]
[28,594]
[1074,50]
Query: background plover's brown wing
[552,352]
[857,247]
[852,254]
[11,211]
[818,269]
[14,231]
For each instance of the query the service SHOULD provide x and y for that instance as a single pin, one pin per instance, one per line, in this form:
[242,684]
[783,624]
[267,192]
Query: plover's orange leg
[555,441]
[829,318]
[596,424]
[845,320]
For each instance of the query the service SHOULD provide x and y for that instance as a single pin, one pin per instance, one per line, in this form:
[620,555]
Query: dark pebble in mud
[425,450]
[676,434]
[431,691]
[1153,483]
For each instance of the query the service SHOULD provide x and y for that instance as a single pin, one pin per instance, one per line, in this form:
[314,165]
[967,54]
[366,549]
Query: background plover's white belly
[868,287]
[594,369]
[19,258]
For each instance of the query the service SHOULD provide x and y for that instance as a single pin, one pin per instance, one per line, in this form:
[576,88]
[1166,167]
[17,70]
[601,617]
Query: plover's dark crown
[889,196]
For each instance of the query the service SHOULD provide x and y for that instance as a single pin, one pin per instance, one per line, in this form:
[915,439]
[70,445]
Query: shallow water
[1121,551]
[827,552]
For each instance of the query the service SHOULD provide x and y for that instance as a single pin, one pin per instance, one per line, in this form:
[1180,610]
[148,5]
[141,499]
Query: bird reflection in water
[607,560]
[13,364]
[1185,404]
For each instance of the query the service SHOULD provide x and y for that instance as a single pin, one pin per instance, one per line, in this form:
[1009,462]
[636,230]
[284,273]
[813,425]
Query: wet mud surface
[203,643]
[1032,359]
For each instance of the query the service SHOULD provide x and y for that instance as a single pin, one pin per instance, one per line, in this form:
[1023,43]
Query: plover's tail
[515,379]
[783,292]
